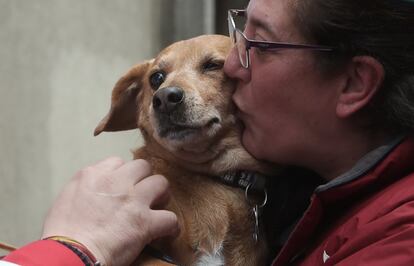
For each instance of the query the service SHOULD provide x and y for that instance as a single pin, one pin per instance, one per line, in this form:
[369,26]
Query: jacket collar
[363,165]
[378,168]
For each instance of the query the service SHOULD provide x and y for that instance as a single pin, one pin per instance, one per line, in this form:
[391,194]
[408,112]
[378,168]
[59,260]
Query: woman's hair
[383,29]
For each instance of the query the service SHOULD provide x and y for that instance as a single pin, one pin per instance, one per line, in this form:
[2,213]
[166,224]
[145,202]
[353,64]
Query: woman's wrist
[87,257]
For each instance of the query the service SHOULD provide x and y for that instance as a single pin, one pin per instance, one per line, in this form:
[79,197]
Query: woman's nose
[233,67]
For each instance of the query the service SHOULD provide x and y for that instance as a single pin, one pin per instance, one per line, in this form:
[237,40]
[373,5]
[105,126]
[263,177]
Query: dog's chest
[215,258]
[207,210]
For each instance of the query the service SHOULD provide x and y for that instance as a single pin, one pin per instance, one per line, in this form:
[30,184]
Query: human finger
[134,171]
[165,224]
[153,190]
[109,164]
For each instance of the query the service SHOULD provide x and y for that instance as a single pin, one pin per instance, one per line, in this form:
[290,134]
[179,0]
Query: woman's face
[286,103]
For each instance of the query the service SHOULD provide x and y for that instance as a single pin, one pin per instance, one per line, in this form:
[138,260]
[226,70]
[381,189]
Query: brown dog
[181,102]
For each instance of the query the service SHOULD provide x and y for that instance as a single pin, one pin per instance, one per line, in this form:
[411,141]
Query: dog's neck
[216,157]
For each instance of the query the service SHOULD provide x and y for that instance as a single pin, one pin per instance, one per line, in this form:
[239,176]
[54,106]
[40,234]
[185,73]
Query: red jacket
[44,253]
[365,217]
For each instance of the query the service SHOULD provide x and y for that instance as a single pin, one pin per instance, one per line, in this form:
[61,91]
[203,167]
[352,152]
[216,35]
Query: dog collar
[252,183]
[243,179]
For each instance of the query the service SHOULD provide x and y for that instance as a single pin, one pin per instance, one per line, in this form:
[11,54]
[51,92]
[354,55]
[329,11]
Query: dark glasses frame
[263,45]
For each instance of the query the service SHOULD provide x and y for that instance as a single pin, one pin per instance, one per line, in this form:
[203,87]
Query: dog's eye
[156,79]
[212,65]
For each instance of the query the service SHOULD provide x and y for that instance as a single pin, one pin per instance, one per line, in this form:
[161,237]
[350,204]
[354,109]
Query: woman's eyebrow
[257,22]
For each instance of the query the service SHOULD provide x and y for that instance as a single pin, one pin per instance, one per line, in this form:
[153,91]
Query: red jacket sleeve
[44,252]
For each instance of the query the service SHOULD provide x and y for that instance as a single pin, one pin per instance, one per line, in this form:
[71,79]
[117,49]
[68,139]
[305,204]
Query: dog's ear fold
[123,114]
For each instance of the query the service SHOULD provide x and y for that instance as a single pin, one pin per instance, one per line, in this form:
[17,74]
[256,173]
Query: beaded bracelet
[78,248]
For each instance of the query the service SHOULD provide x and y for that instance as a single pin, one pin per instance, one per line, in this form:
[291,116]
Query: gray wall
[58,62]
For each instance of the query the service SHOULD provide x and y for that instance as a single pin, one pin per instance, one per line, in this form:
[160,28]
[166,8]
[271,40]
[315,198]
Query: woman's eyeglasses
[243,44]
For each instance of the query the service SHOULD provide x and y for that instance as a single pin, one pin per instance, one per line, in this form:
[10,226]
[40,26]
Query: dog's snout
[167,99]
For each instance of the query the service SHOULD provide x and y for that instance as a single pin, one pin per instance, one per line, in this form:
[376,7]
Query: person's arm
[110,209]
[42,252]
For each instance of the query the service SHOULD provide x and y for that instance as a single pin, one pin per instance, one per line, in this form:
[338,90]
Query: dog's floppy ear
[123,114]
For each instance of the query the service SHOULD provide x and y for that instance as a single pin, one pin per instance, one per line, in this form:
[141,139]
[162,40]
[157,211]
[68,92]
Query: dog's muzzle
[175,118]
[169,110]
[166,100]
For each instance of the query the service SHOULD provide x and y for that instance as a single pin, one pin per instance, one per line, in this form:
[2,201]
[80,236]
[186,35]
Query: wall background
[58,62]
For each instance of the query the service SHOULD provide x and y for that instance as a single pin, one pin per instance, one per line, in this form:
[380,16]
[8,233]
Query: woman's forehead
[274,17]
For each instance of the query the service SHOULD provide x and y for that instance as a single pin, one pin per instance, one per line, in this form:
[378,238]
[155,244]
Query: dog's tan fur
[213,217]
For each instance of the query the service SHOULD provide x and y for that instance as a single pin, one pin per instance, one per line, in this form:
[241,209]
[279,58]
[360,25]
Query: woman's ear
[365,75]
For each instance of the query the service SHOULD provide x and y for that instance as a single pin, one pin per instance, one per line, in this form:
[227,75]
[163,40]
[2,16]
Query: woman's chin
[250,144]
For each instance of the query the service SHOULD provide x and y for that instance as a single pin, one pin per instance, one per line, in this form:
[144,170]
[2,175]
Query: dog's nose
[167,99]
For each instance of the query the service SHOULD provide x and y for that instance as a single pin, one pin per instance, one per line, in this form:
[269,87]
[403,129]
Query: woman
[328,85]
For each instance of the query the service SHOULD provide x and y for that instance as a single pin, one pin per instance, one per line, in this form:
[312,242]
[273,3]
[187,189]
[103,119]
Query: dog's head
[181,99]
